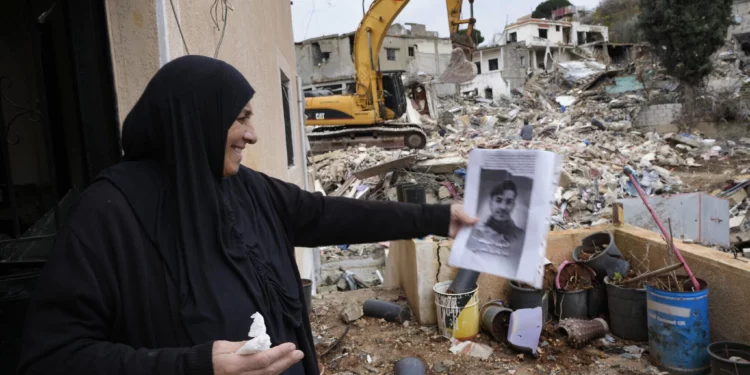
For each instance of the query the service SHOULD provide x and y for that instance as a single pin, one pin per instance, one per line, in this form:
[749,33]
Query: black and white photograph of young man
[503,208]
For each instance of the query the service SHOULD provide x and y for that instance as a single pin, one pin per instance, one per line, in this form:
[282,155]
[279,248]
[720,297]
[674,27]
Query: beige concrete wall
[258,41]
[727,278]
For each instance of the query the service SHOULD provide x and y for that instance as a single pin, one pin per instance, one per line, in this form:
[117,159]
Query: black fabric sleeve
[319,221]
[70,316]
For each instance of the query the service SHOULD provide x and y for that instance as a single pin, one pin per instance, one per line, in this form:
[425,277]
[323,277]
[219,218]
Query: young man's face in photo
[502,205]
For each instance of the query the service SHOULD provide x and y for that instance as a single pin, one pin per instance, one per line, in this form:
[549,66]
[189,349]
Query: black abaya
[163,255]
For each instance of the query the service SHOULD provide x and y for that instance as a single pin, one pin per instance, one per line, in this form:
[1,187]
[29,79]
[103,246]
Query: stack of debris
[588,124]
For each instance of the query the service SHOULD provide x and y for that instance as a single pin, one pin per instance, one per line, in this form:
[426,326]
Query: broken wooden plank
[385,167]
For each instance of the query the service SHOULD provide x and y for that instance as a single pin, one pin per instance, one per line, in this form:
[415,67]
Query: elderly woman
[168,253]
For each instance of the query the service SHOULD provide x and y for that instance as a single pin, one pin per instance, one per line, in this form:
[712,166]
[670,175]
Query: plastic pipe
[629,173]
[391,312]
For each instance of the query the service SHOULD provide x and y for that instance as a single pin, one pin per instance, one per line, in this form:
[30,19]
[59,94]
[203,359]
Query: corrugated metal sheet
[699,217]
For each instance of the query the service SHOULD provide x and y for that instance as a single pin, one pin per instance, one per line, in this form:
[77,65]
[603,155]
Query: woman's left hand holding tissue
[273,361]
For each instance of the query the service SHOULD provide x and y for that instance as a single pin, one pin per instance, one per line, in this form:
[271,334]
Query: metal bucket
[457,314]
[678,329]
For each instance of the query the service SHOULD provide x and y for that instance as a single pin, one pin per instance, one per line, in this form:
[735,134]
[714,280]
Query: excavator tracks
[387,136]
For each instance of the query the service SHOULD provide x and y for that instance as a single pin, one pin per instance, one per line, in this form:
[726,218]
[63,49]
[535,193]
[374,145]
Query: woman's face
[240,134]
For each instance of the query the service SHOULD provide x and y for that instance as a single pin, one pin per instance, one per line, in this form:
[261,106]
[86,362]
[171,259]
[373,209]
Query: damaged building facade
[532,45]
[327,62]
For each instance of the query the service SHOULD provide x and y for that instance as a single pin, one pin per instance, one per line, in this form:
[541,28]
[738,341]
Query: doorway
[58,130]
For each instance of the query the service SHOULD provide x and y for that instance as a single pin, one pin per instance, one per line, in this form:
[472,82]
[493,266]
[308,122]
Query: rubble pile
[590,125]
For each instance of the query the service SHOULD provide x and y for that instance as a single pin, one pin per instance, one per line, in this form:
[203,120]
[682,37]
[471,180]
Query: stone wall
[659,118]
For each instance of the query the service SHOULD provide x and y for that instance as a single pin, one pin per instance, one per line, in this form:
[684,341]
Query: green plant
[476,35]
[544,10]
[685,34]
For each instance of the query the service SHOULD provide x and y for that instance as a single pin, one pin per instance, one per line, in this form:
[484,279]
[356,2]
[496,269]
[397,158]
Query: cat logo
[320,116]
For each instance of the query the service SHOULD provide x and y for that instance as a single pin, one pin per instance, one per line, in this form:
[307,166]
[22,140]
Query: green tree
[621,17]
[544,10]
[684,34]
[476,35]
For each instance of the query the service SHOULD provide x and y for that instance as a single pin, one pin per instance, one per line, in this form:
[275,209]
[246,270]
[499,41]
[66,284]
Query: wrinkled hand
[273,361]
[459,219]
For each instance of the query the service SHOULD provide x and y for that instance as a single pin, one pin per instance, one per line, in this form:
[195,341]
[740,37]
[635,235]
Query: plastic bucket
[720,353]
[528,298]
[597,300]
[457,314]
[606,263]
[572,304]
[678,329]
[627,312]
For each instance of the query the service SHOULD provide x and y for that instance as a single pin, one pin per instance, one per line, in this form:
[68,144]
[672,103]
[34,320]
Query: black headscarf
[174,142]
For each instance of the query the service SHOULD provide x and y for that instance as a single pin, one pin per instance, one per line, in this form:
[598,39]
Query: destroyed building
[500,69]
[554,40]
[327,62]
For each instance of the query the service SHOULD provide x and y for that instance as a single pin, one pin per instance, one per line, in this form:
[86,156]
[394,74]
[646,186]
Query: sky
[313,18]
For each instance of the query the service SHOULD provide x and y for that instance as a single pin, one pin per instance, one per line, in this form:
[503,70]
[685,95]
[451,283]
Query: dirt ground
[372,346]
[712,174]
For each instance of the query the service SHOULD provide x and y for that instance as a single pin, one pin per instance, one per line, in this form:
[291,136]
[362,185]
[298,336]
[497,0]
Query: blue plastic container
[678,329]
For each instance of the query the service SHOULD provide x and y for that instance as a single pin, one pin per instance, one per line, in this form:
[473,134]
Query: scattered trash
[581,332]
[470,348]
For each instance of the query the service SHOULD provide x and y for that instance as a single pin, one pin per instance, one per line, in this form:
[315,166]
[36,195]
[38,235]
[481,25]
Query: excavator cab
[394,93]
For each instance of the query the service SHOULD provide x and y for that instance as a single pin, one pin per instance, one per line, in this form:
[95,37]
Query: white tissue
[260,340]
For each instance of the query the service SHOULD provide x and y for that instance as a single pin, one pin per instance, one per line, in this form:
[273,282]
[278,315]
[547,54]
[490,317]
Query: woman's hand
[273,361]
[459,219]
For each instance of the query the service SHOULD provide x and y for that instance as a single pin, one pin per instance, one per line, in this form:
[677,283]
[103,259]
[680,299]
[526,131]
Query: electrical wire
[223,29]
[177,20]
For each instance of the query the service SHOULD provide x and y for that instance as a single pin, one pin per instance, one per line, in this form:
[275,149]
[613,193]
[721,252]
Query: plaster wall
[144,35]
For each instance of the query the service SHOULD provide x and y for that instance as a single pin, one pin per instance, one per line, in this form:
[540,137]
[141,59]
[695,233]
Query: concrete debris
[572,114]
[352,312]
[473,349]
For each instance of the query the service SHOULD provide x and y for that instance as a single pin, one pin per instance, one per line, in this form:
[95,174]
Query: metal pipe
[629,173]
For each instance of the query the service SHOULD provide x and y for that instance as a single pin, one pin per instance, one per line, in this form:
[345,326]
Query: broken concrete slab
[442,165]
[677,138]
[385,167]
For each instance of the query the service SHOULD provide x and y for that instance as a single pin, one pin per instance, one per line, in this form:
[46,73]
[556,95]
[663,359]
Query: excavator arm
[368,41]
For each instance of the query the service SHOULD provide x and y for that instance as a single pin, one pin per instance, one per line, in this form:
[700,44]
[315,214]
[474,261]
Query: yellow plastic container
[457,314]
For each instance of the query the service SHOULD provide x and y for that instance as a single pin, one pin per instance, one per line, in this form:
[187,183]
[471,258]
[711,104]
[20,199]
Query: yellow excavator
[367,115]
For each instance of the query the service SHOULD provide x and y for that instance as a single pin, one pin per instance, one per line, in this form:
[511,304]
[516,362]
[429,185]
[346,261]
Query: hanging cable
[223,28]
[177,20]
